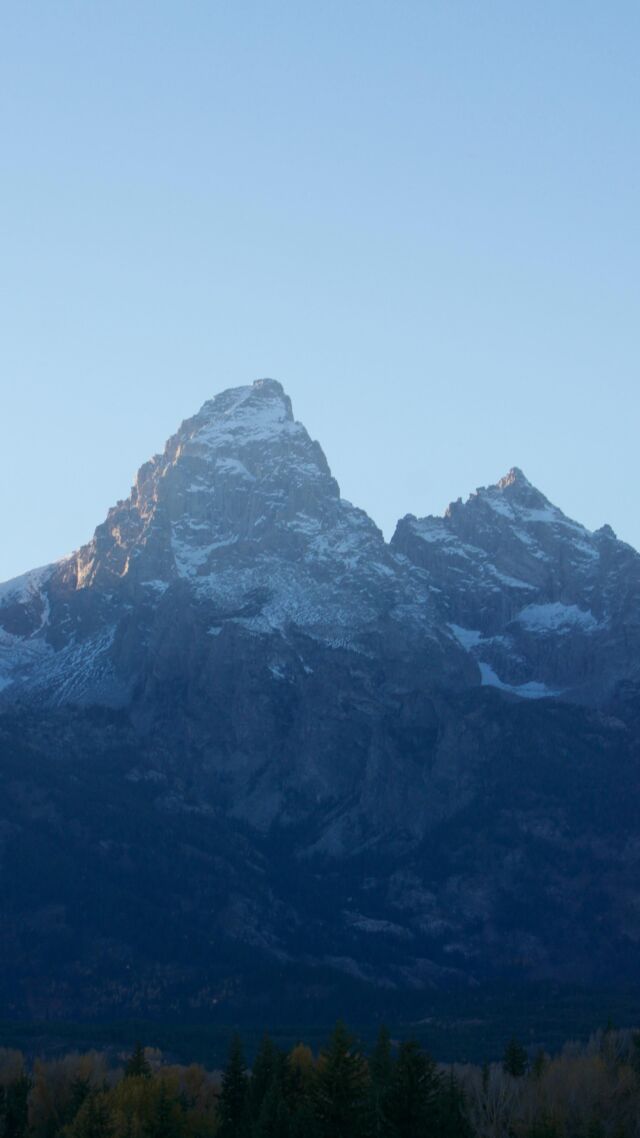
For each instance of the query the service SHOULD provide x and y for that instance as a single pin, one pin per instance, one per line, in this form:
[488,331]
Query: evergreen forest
[397,1090]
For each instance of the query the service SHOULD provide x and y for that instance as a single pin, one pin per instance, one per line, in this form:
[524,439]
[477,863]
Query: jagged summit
[514,477]
[529,591]
[264,400]
[512,492]
[233,475]
[255,417]
[606,531]
[516,489]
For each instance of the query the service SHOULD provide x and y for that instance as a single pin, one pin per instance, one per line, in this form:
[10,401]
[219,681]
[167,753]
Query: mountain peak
[238,520]
[516,490]
[512,491]
[514,477]
[233,478]
[265,401]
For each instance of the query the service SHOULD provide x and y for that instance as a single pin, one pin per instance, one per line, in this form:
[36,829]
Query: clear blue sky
[422,217]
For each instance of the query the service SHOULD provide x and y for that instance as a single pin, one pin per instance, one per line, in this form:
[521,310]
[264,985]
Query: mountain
[544,606]
[238,534]
[251,752]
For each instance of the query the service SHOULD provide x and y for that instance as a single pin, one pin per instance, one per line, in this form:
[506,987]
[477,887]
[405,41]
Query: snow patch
[513,582]
[498,505]
[531,690]
[22,589]
[556,617]
[229,465]
[467,637]
[156,585]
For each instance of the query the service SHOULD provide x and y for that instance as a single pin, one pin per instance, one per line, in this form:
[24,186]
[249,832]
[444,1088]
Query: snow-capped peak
[264,401]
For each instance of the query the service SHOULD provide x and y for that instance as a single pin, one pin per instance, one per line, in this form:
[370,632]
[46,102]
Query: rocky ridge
[546,607]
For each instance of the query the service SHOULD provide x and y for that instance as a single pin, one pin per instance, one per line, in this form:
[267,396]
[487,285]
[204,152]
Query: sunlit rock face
[248,717]
[546,607]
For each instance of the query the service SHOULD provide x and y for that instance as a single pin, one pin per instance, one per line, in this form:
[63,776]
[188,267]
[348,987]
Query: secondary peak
[515,477]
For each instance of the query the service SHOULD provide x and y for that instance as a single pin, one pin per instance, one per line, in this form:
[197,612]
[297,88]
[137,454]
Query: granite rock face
[244,713]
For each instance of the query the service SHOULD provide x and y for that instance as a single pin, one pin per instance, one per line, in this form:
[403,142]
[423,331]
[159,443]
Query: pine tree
[79,1091]
[274,1120]
[299,1082]
[137,1066]
[266,1068]
[93,1120]
[299,1075]
[413,1095]
[304,1122]
[539,1063]
[515,1059]
[167,1114]
[16,1111]
[268,1099]
[341,1087]
[452,1121]
[380,1076]
[234,1105]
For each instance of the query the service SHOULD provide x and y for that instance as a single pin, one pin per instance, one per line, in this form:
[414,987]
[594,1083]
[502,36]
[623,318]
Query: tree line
[396,1091]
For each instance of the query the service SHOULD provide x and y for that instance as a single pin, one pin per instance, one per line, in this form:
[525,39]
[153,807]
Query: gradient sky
[421,217]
